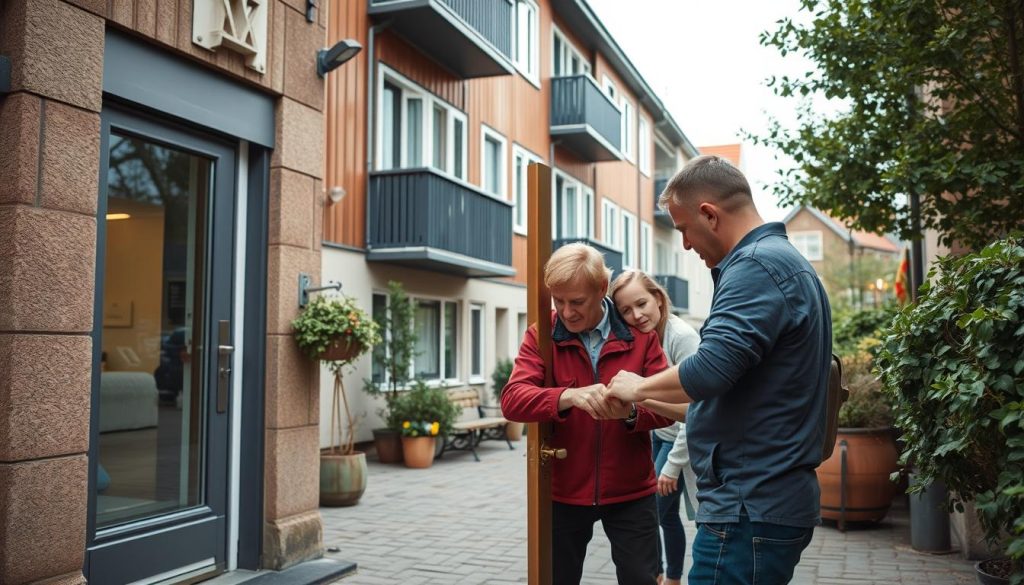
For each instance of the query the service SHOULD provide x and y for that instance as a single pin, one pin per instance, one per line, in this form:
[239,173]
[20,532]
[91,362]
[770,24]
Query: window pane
[449,340]
[458,149]
[491,161]
[520,190]
[391,138]
[571,223]
[557,52]
[477,331]
[414,133]
[380,306]
[428,336]
[558,226]
[440,138]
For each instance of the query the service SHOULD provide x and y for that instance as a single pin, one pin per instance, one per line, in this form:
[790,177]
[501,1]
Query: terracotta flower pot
[418,451]
[870,458]
[342,478]
[389,445]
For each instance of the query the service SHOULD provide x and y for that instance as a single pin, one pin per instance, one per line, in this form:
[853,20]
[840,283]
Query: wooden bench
[474,425]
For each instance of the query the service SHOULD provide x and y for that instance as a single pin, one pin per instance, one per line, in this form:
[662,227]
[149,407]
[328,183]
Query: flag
[902,284]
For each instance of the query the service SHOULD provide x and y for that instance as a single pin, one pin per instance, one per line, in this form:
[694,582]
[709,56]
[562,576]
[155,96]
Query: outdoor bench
[474,425]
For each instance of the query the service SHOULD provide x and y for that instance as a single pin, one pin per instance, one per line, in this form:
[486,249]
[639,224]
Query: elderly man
[608,475]
[757,383]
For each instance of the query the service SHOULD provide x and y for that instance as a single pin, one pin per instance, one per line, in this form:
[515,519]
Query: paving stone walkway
[463,522]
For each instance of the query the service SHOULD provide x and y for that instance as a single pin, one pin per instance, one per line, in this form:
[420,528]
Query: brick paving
[463,522]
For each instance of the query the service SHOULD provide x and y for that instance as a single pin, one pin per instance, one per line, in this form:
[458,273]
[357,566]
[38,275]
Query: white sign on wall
[236,25]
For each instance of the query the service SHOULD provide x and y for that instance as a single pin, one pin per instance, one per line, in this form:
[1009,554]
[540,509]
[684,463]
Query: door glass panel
[152,390]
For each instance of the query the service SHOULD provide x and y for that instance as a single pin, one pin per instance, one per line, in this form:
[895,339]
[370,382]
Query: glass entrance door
[159,460]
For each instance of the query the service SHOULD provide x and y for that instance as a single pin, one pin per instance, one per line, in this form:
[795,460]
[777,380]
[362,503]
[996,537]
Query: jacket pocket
[708,473]
[565,382]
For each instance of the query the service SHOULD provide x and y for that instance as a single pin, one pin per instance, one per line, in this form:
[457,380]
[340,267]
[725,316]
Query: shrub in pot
[499,377]
[338,332]
[425,413]
[395,356]
[954,368]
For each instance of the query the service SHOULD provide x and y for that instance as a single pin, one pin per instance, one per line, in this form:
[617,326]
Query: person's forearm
[676,412]
[565,400]
[663,387]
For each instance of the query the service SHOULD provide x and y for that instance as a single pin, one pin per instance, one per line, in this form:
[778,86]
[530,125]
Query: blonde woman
[643,303]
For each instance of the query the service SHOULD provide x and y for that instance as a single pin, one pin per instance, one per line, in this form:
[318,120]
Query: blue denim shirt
[759,382]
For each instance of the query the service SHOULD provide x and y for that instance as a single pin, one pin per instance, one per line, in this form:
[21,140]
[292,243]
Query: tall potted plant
[336,331]
[954,367]
[395,356]
[499,378]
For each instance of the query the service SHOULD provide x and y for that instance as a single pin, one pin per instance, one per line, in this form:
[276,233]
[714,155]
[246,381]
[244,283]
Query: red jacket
[607,462]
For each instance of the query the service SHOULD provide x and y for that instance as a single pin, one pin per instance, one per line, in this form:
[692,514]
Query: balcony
[584,119]
[423,219]
[678,290]
[612,258]
[471,38]
[661,217]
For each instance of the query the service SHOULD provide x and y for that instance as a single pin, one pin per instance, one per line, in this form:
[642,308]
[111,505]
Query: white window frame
[628,113]
[486,132]
[528,62]
[584,207]
[477,345]
[610,89]
[800,242]
[629,240]
[646,245]
[441,380]
[610,223]
[520,197]
[564,61]
[643,145]
[411,90]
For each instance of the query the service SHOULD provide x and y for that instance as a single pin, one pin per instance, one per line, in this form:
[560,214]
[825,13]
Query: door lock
[225,352]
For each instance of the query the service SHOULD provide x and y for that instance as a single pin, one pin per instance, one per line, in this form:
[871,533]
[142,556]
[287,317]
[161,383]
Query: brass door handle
[547,453]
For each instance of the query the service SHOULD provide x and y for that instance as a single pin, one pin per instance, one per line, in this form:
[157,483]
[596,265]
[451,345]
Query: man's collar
[773,228]
[604,326]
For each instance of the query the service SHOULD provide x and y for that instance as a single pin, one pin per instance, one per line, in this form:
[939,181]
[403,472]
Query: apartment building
[429,136]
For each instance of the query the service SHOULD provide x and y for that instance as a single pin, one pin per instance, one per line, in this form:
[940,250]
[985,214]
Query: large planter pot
[342,478]
[514,430]
[870,458]
[418,451]
[993,571]
[389,445]
[341,350]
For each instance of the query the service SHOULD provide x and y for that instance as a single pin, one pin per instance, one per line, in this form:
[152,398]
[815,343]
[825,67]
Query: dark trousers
[632,529]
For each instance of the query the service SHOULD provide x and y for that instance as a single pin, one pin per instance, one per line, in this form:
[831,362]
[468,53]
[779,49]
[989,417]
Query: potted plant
[865,431]
[953,365]
[499,377]
[425,414]
[337,331]
[395,356]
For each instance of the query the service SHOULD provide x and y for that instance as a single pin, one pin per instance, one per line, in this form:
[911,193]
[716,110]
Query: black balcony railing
[585,119]
[423,218]
[612,258]
[472,38]
[678,290]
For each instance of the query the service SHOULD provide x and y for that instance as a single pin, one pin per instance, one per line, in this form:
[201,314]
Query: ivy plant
[953,366]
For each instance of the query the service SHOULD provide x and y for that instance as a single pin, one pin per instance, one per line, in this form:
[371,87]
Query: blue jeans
[668,517]
[746,553]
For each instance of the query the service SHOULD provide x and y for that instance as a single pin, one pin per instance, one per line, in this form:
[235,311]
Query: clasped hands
[613,401]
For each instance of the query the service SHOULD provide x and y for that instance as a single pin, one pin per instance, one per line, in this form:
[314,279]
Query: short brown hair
[576,262]
[652,287]
[710,176]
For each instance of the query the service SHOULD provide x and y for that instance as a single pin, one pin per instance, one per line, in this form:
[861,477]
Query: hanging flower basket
[342,350]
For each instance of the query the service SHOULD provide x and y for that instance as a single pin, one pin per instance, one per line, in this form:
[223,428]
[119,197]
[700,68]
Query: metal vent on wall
[236,25]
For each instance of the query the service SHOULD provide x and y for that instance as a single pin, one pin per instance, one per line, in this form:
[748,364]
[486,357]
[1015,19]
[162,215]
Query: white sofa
[128,400]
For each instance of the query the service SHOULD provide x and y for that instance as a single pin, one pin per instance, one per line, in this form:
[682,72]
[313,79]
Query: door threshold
[315,572]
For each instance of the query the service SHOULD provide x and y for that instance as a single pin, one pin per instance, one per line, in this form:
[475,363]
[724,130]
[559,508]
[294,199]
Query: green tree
[933,95]
[396,353]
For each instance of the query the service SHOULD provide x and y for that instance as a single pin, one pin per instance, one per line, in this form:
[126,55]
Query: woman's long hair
[652,287]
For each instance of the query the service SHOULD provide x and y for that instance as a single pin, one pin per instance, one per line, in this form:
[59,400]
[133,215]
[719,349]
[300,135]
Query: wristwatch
[631,419]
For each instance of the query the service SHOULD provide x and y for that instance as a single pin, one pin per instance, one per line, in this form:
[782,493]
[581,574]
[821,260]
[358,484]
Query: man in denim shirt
[757,383]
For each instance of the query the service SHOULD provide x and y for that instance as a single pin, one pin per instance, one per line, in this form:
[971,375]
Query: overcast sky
[704,61]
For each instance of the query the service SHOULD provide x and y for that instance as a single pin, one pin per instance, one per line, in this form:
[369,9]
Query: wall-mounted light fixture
[328,60]
[336,194]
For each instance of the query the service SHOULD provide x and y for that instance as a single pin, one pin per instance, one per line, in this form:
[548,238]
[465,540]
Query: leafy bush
[953,367]
[499,377]
[867,406]
[424,404]
[395,355]
[849,329]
